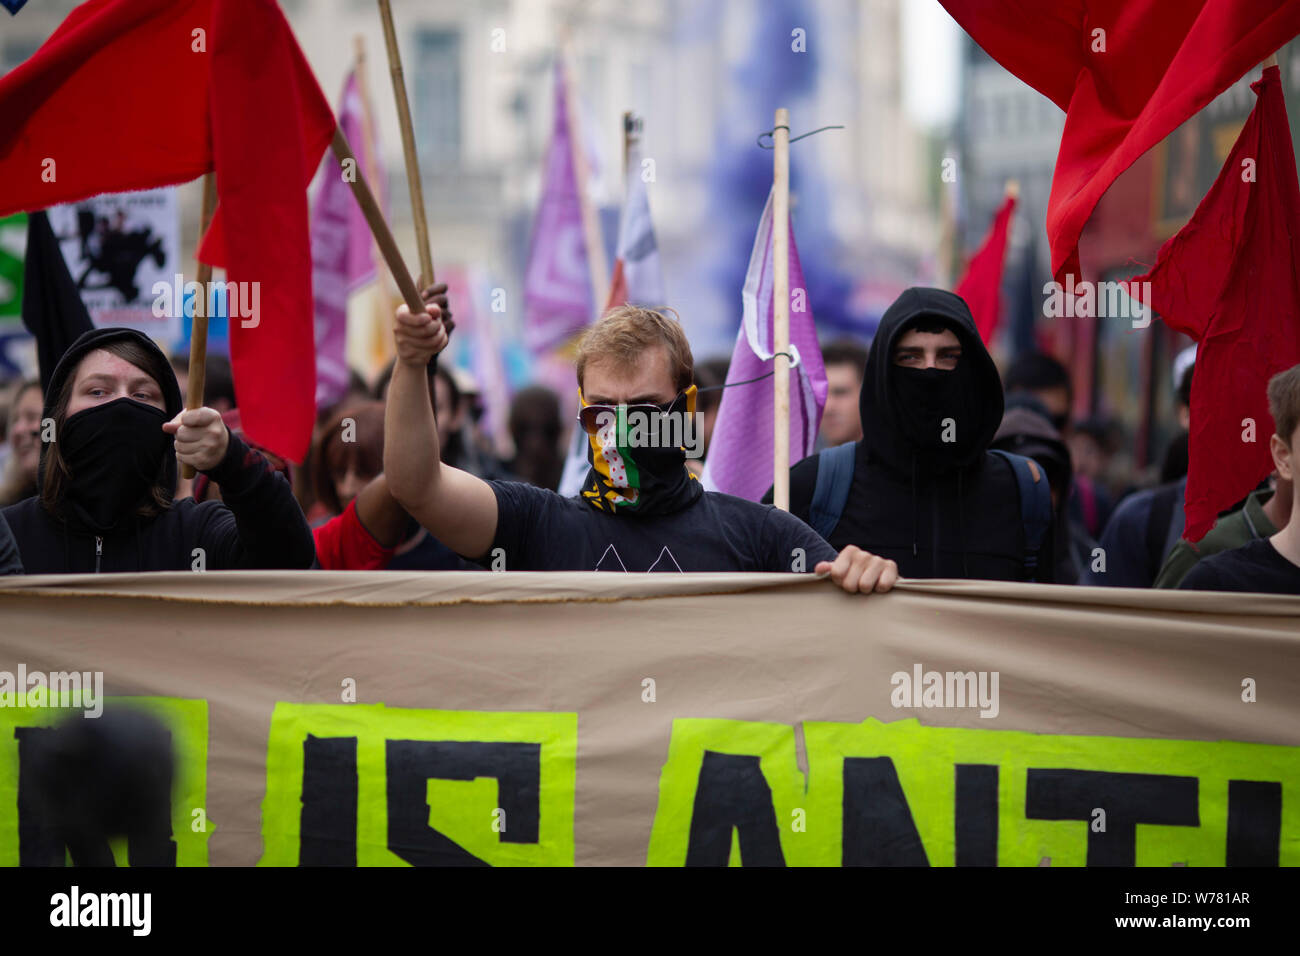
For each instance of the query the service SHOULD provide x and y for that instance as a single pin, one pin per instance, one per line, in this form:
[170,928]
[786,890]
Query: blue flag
[13,6]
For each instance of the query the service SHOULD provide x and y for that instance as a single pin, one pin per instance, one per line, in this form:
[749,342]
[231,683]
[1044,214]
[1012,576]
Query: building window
[435,109]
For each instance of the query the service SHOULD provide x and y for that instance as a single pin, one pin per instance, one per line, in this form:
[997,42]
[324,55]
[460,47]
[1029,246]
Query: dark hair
[709,374]
[1174,464]
[1183,387]
[218,381]
[435,368]
[1036,372]
[1101,430]
[846,352]
[926,322]
[56,475]
[331,453]
[542,399]
[440,371]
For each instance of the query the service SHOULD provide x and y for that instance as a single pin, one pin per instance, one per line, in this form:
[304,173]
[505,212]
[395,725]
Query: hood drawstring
[961,525]
[913,504]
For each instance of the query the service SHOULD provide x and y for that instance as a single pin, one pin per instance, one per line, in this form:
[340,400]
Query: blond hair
[1284,402]
[625,333]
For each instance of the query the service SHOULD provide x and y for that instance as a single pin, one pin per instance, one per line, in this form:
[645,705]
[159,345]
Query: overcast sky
[931,59]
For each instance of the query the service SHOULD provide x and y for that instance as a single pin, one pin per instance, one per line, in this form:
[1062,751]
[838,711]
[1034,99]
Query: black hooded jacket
[259,526]
[958,521]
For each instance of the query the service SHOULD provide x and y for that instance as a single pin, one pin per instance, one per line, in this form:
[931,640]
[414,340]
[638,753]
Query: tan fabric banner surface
[382,718]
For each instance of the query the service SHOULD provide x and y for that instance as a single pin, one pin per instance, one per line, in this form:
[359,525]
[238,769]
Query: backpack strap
[1035,505]
[834,476]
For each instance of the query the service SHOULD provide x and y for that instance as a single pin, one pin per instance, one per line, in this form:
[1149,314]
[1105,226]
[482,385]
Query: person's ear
[1282,459]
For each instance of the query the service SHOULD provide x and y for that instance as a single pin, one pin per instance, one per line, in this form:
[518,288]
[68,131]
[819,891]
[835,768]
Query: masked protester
[921,488]
[640,508]
[108,477]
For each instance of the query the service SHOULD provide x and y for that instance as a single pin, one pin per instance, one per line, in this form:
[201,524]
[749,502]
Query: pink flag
[557,286]
[740,453]
[341,250]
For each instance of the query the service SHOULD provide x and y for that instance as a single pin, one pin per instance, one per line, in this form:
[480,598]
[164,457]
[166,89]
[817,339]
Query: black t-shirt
[1254,567]
[539,530]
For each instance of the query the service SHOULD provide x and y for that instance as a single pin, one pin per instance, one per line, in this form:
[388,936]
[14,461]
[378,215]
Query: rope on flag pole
[408,144]
[199,323]
[781,309]
[794,139]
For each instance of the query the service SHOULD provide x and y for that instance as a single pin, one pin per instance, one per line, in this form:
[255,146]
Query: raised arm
[457,508]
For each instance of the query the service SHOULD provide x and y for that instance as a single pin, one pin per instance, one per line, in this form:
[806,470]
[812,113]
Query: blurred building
[706,75]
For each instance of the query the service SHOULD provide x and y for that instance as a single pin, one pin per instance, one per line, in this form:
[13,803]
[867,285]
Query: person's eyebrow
[144,381]
[99,377]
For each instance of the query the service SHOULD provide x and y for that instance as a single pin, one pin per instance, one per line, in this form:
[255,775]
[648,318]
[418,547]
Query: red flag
[134,94]
[1127,73]
[981,286]
[1229,280]
[617,287]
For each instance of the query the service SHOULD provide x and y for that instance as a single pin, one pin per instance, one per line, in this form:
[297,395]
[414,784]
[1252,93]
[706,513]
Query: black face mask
[114,453]
[937,413]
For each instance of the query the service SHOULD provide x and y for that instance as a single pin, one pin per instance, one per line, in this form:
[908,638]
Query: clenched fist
[419,337]
[437,294]
[201,437]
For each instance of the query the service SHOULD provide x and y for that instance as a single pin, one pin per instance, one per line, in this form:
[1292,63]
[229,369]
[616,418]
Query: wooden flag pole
[375,219]
[199,324]
[408,145]
[630,139]
[781,309]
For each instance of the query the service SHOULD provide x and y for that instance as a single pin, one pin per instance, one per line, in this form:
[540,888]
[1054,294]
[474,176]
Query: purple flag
[341,251]
[557,286]
[740,452]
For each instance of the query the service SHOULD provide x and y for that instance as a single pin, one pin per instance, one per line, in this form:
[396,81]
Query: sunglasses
[593,417]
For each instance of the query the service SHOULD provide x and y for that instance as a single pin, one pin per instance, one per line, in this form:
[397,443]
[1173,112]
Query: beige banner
[571,718]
